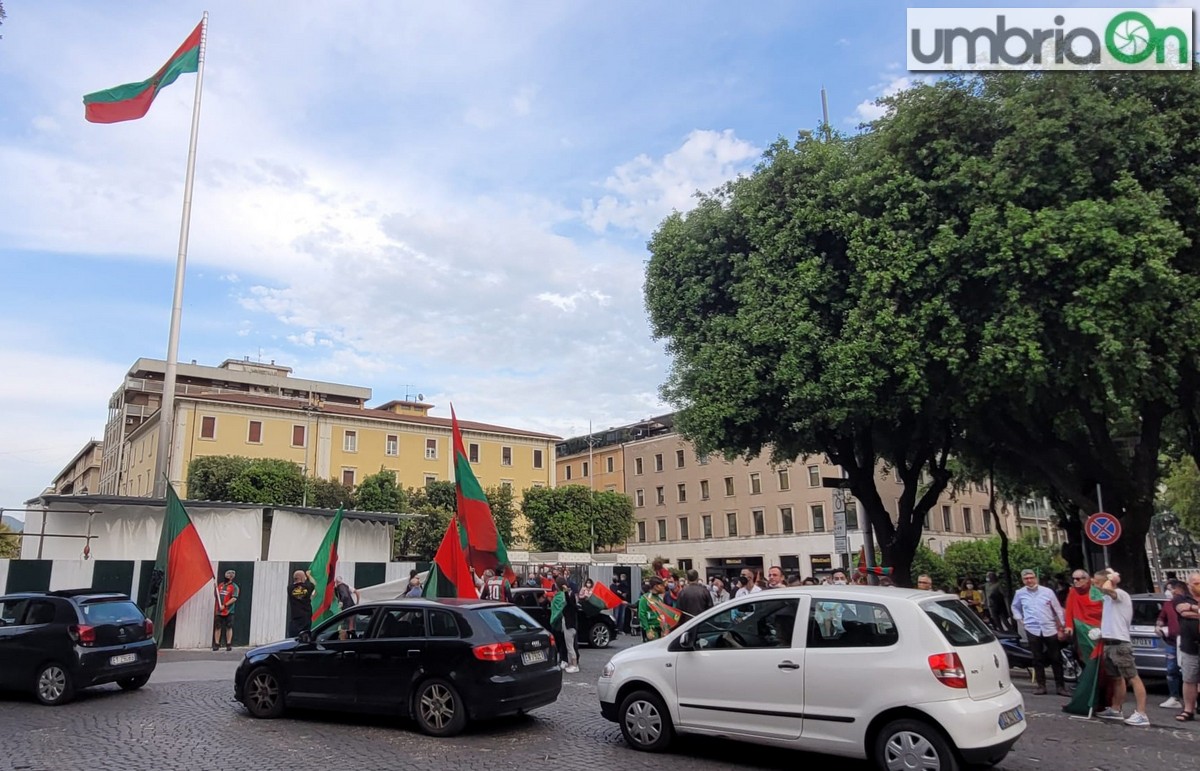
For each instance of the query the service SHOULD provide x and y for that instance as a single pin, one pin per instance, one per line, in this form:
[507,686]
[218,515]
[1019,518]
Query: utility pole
[592,486]
[825,114]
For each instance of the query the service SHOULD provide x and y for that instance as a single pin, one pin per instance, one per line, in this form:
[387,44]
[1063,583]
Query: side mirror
[687,641]
[305,636]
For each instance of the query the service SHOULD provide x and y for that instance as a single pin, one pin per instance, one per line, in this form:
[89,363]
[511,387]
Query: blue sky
[450,198]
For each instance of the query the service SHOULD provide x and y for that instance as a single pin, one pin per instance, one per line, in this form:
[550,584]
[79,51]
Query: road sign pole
[1100,507]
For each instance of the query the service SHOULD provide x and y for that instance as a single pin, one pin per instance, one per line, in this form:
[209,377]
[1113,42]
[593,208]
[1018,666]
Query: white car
[910,679]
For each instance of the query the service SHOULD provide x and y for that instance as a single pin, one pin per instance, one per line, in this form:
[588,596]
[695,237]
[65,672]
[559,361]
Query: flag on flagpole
[450,576]
[324,571]
[477,528]
[603,598]
[132,100]
[181,568]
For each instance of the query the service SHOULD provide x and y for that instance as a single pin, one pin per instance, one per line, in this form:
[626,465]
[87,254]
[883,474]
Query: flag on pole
[132,100]
[324,571]
[181,568]
[603,598]
[450,576]
[1083,700]
[668,616]
[477,528]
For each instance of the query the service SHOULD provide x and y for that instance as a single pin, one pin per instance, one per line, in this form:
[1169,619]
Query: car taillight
[494,651]
[552,640]
[149,628]
[948,669]
[83,634]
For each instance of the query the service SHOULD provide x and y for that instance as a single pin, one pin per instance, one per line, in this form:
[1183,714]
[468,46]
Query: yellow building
[336,441]
[82,475]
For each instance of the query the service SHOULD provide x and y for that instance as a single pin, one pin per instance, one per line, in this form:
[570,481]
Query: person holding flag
[1084,611]
[654,615]
[564,619]
[181,568]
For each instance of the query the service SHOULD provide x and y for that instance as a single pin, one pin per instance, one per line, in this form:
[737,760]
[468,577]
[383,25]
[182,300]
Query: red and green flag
[132,100]
[324,571]
[450,575]
[669,617]
[477,528]
[181,567]
[603,598]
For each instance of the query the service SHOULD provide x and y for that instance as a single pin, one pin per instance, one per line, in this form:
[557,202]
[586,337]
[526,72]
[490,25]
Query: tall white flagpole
[166,413]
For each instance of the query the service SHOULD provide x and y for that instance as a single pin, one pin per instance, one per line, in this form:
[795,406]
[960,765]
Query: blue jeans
[1174,676]
[619,614]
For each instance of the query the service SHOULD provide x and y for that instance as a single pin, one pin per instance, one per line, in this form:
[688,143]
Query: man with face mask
[839,578]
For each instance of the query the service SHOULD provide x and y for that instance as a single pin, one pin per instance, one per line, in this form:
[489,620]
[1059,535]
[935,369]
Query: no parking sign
[1102,529]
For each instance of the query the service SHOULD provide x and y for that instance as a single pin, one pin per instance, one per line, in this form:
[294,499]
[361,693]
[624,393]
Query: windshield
[958,623]
[509,621]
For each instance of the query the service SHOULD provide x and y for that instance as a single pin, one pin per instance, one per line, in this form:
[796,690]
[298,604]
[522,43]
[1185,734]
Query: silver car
[1149,650]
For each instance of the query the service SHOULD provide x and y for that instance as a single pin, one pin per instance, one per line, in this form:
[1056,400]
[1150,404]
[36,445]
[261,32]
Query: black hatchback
[442,662]
[54,643]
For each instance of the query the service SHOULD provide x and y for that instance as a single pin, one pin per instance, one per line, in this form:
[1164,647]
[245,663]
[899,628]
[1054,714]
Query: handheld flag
[324,571]
[668,616]
[603,598]
[477,528]
[181,568]
[450,575]
[132,100]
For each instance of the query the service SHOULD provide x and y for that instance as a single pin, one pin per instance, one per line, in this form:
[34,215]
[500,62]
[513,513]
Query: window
[587,471]
[679,459]
[702,460]
[431,448]
[987,522]
[787,524]
[347,477]
[637,466]
[660,496]
[254,432]
[927,525]
[402,622]
[506,458]
[610,488]
[814,476]
[537,458]
[430,479]
[731,523]
[817,511]
[391,445]
[706,525]
[728,486]
[658,464]
[568,468]
[959,624]
[349,626]
[509,621]
[111,613]
[473,452]
[966,519]
[350,441]
[785,482]
[980,488]
[704,489]
[641,532]
[442,624]
[681,492]
[685,565]
[640,498]
[299,436]
[947,519]
[761,624]
[609,465]
[842,624]
[208,427]
[760,522]
[755,483]
[851,515]
[662,529]
[683,529]
[506,484]
[12,612]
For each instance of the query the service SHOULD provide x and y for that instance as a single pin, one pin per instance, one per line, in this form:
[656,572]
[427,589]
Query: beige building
[718,516]
[81,476]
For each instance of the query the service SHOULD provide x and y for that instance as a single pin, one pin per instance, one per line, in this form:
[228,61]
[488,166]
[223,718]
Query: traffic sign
[841,544]
[839,502]
[1102,529]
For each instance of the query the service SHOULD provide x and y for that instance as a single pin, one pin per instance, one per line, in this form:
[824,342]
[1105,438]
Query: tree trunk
[1128,555]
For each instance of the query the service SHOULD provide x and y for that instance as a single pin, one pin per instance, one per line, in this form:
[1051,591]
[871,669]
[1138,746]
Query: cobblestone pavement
[182,721]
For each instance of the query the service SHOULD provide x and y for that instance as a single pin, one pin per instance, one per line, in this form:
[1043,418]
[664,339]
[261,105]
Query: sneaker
[1108,713]
[570,670]
[562,665]
[1172,703]
[216,647]
[1137,718]
[228,647]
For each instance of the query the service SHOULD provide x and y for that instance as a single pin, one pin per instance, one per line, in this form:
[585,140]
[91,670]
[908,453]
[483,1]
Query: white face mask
[839,582]
[1168,594]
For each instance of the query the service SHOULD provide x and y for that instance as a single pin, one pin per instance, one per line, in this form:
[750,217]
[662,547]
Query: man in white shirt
[1118,649]
[1039,610]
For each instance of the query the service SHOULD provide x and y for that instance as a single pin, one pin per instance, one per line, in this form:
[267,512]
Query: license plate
[1143,642]
[1010,718]
[124,658]
[533,657]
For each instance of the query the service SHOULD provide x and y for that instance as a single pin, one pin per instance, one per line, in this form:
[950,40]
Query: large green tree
[379,492]
[10,545]
[269,481]
[574,518]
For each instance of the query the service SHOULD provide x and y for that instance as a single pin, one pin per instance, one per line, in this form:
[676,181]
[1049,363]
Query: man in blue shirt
[1039,610]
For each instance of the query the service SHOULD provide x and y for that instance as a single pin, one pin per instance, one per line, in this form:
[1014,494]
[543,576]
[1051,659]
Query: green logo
[1131,38]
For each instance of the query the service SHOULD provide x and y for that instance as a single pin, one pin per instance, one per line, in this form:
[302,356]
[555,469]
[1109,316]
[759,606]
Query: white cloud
[643,191]
[869,110]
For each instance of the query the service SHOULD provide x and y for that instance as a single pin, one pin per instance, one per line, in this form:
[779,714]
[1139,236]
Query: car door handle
[349,654]
[788,665]
[414,652]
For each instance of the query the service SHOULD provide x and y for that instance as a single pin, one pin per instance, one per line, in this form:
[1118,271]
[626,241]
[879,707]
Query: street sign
[839,524]
[841,544]
[839,502]
[1102,528]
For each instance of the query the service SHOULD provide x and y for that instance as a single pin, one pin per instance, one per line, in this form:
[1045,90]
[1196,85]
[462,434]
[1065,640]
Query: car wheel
[903,745]
[263,694]
[439,709]
[645,722]
[600,635]
[133,683]
[53,686]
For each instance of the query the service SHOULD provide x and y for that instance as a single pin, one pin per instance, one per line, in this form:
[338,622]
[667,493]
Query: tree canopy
[574,518]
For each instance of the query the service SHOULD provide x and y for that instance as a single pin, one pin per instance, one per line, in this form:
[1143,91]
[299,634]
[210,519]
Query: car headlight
[609,670]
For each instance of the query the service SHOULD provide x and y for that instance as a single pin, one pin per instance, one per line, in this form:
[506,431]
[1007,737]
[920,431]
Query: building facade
[81,476]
